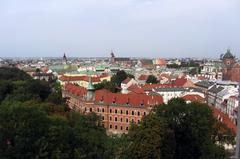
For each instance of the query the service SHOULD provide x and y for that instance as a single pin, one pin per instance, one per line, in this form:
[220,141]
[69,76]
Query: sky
[131,28]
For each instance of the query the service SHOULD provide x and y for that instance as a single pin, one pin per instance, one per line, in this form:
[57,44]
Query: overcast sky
[135,28]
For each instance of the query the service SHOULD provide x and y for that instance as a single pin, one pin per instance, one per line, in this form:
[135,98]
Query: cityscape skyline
[146,28]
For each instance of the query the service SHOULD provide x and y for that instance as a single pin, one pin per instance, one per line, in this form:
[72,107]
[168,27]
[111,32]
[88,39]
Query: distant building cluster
[211,81]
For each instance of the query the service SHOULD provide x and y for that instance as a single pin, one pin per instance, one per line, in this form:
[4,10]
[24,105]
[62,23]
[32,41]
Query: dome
[228,54]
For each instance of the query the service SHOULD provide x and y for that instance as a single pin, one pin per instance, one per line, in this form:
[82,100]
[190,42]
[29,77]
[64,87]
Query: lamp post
[238,127]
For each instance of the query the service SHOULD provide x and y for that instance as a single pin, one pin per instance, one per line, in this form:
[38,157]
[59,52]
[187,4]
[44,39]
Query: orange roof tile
[225,119]
[123,99]
[193,98]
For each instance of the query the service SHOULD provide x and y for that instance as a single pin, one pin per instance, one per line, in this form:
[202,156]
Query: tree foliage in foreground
[178,131]
[33,132]
[35,123]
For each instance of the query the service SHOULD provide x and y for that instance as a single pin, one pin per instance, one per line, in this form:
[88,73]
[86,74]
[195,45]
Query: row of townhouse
[224,99]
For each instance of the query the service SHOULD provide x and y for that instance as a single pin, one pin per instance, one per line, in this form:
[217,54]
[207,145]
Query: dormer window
[142,103]
[114,100]
[128,100]
[102,98]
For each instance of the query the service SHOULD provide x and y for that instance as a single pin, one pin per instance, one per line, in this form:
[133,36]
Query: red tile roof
[180,81]
[193,98]
[225,119]
[79,78]
[71,78]
[136,89]
[123,99]
[143,77]
[76,90]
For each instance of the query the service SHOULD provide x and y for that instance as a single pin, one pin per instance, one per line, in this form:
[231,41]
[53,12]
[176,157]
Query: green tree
[5,89]
[152,79]
[109,85]
[13,74]
[36,132]
[179,130]
[119,77]
[151,139]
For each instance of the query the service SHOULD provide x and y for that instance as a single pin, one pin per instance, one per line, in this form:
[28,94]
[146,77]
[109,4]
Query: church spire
[90,90]
[64,60]
[90,85]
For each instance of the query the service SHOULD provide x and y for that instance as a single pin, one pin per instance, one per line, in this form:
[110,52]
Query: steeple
[90,85]
[90,90]
[64,60]
[112,59]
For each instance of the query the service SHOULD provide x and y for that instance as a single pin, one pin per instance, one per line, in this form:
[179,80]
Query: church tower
[112,59]
[228,59]
[90,90]
[64,60]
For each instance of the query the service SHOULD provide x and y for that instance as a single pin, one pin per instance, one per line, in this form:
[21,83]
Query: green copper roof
[90,85]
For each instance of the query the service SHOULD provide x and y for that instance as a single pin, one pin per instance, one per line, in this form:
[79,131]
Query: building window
[144,113]
[121,119]
[110,126]
[132,112]
[138,121]
[110,110]
[110,118]
[90,109]
[102,117]
[132,120]
[126,120]
[127,112]
[115,126]
[115,111]
[103,110]
[121,128]
[121,111]
[138,113]
[115,118]
[114,100]
[126,128]
[127,103]
[97,109]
